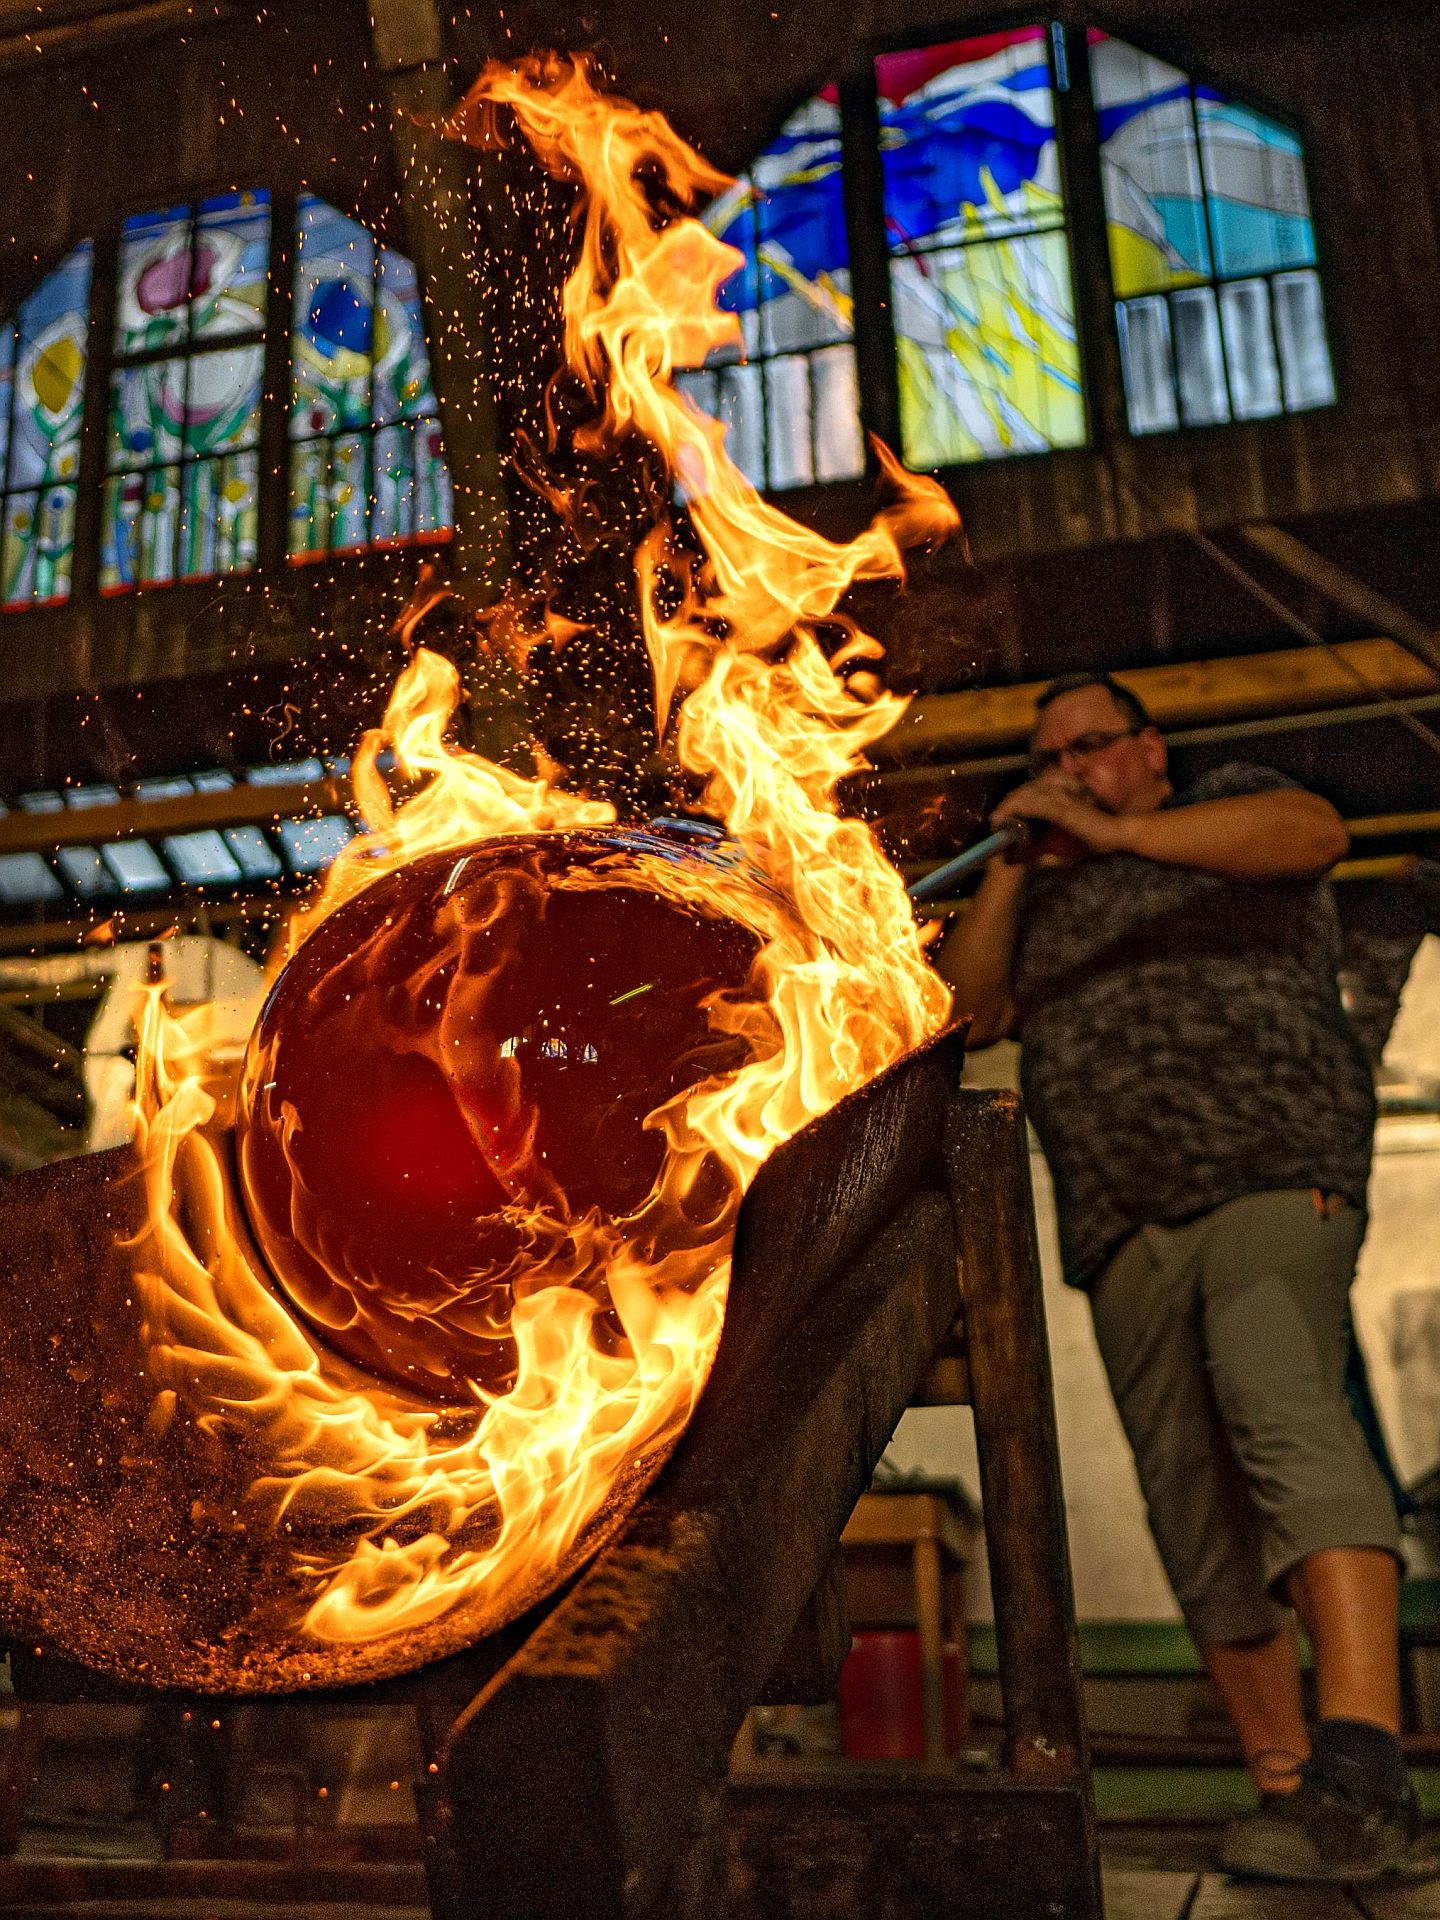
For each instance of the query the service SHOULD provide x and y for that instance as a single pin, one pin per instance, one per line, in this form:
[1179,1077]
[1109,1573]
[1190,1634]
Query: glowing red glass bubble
[475,1036]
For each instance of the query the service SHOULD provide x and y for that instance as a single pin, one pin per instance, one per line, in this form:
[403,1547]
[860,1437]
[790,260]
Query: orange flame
[840,985]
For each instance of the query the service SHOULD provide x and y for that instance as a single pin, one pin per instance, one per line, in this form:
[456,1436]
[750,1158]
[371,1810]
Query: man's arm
[975,957]
[1285,835]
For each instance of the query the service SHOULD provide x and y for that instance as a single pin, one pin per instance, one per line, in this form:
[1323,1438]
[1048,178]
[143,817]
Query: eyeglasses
[1082,747]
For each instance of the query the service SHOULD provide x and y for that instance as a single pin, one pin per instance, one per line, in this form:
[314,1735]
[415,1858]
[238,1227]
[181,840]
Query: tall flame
[450,1510]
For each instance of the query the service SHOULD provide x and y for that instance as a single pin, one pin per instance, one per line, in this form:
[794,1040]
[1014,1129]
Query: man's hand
[1065,803]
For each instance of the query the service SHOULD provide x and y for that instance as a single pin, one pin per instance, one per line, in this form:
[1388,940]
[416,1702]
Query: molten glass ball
[448,1088]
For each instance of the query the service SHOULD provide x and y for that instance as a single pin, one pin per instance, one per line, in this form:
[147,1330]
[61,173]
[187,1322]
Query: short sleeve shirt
[1184,1041]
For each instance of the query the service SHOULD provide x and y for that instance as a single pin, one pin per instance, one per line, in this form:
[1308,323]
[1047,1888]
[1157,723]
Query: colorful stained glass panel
[7,383]
[333,333]
[1255,177]
[147,413]
[791,405]
[402,364]
[1150,165]
[219,523]
[329,496]
[229,266]
[152,295]
[989,358]
[38,546]
[967,140]
[801,248]
[222,410]
[50,358]
[139,529]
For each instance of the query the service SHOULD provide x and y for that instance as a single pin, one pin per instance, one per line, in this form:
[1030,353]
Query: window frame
[1197,75]
[52,264]
[764,357]
[1053,33]
[188,350]
[272,445]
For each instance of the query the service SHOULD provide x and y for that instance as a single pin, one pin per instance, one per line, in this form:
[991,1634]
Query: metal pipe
[936,884]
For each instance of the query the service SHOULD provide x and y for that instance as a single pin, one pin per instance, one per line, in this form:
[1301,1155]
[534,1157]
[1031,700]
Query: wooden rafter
[1296,679]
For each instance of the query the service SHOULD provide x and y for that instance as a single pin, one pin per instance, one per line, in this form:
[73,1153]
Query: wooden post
[584,1782]
[1010,1393]
[435,181]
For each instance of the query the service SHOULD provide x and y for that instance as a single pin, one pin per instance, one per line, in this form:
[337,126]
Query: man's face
[1126,774]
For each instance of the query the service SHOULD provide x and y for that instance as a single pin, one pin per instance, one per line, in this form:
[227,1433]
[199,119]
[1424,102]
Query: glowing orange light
[431,1505]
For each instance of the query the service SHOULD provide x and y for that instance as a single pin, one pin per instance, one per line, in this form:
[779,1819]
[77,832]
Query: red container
[882,1715]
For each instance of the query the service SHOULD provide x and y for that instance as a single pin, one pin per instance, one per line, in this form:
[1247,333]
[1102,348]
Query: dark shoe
[1327,1829]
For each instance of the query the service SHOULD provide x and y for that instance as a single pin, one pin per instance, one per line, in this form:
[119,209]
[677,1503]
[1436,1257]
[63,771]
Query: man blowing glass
[1208,1114]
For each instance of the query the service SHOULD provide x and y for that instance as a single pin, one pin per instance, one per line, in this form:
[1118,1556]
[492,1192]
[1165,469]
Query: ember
[460,1066]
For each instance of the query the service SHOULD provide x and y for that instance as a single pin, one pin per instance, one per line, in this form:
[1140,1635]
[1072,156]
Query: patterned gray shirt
[1184,1041]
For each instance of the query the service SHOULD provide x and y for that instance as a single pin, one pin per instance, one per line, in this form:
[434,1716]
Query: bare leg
[1349,1599]
[1259,1682]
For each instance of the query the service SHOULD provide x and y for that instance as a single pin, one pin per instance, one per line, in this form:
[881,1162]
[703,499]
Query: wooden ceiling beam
[79,35]
[1295,679]
[236,806]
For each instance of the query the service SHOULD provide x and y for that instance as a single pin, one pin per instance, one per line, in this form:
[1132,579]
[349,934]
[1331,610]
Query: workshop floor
[1163,1873]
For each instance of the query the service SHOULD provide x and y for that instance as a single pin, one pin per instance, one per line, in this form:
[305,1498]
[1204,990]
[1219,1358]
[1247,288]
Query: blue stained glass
[7,382]
[402,363]
[230,264]
[366,464]
[334,325]
[50,359]
[792,415]
[988,349]
[1150,164]
[967,139]
[1255,176]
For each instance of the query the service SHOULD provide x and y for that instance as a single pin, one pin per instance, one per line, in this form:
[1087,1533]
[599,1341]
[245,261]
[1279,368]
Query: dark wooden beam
[614,1723]
[435,172]
[235,806]
[1342,587]
[1290,680]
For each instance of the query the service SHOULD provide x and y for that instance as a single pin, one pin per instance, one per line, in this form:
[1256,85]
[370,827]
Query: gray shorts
[1225,1341]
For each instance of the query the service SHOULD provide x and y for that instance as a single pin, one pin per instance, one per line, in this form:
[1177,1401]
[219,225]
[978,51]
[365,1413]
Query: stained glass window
[43,353]
[1212,249]
[788,393]
[367,466]
[182,463]
[984,311]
